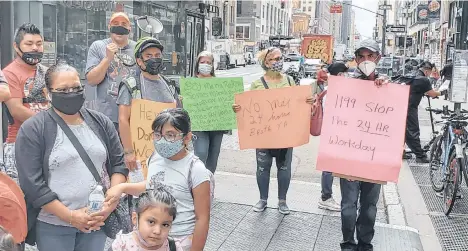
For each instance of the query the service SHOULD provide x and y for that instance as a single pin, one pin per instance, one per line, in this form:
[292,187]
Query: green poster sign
[209,102]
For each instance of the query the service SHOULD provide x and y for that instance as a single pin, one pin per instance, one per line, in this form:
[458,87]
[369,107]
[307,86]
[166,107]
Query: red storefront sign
[336,8]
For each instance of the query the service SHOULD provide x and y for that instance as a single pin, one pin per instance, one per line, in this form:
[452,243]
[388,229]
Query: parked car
[311,66]
[292,57]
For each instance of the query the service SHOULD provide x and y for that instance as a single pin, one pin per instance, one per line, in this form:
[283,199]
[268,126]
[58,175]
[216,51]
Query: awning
[282,37]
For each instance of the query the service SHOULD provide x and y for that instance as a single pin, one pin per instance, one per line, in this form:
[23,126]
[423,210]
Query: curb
[395,212]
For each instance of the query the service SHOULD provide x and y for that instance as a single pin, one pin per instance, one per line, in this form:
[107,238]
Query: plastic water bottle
[96,200]
[136,175]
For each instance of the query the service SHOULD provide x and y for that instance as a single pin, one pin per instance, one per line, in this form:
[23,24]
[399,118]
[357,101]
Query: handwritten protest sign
[143,113]
[274,118]
[363,129]
[209,102]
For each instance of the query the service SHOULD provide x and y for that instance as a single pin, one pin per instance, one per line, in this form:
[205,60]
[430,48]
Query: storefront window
[50,34]
[170,35]
[72,40]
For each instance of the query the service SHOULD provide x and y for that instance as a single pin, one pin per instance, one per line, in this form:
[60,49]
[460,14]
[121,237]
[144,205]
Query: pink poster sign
[363,129]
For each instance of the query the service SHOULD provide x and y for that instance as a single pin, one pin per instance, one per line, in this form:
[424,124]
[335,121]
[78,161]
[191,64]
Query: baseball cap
[119,15]
[369,44]
[145,43]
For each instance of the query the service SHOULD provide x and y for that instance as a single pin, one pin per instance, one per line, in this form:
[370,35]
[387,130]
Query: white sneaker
[329,204]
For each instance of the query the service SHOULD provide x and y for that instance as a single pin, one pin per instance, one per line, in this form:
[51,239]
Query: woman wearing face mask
[148,83]
[272,62]
[173,166]
[53,176]
[207,144]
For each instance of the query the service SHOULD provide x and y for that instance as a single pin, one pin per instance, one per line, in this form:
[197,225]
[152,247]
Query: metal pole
[406,36]
[384,27]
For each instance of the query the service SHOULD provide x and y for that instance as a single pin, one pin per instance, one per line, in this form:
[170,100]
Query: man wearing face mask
[25,77]
[367,57]
[420,85]
[109,61]
[147,83]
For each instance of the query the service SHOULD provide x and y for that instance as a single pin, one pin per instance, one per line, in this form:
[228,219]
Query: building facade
[324,16]
[70,27]
[346,22]
[265,17]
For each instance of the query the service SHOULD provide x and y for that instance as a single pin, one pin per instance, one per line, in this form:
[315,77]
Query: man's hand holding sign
[363,131]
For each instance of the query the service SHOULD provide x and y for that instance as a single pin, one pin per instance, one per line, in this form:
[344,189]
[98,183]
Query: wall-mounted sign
[422,13]
[216,26]
[434,9]
[91,5]
[336,8]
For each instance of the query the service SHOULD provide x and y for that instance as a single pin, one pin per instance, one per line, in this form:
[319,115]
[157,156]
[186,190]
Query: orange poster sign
[274,118]
[363,129]
[318,47]
[143,113]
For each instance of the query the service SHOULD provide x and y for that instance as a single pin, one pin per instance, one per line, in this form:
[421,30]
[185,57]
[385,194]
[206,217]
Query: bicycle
[448,156]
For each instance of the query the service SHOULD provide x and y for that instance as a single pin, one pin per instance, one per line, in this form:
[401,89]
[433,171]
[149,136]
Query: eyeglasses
[171,137]
[75,89]
[276,59]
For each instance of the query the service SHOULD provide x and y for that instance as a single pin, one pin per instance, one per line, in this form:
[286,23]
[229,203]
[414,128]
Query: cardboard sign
[143,113]
[274,118]
[363,129]
[209,102]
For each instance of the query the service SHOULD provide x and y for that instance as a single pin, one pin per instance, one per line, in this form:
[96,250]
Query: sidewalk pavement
[234,226]
[423,209]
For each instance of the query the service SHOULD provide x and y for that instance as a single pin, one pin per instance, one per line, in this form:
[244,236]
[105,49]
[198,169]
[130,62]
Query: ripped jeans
[283,163]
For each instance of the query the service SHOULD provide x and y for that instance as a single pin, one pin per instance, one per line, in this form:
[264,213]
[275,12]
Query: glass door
[195,41]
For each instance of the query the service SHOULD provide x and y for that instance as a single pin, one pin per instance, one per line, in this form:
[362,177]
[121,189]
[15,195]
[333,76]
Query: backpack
[133,84]
[13,208]
[189,180]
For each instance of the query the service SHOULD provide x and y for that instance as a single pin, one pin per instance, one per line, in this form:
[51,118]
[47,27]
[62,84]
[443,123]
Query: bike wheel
[452,182]
[436,170]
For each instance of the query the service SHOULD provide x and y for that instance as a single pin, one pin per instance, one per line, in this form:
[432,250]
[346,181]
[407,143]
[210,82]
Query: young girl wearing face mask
[207,144]
[272,62]
[155,212]
[170,166]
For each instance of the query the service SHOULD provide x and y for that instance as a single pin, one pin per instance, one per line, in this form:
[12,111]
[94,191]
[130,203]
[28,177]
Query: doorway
[195,40]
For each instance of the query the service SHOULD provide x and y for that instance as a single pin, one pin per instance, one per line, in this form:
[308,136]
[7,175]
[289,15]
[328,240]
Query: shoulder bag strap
[264,83]
[289,80]
[172,245]
[79,148]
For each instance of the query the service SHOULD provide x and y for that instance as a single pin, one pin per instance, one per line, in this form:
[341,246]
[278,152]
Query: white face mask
[367,67]
[205,69]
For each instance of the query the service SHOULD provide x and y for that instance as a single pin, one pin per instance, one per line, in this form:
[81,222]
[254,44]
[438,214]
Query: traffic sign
[385,7]
[395,28]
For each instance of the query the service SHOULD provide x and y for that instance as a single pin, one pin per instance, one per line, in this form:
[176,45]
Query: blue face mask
[167,149]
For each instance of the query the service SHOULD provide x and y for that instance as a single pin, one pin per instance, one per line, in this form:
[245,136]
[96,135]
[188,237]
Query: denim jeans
[368,195]
[207,146]
[283,163]
[54,237]
[327,183]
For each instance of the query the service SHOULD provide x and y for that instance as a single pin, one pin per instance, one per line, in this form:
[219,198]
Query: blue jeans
[54,237]
[283,163]
[207,146]
[368,195]
[327,183]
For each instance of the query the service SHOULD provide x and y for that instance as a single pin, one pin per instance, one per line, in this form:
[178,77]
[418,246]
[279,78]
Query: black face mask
[154,65]
[32,57]
[68,103]
[119,30]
